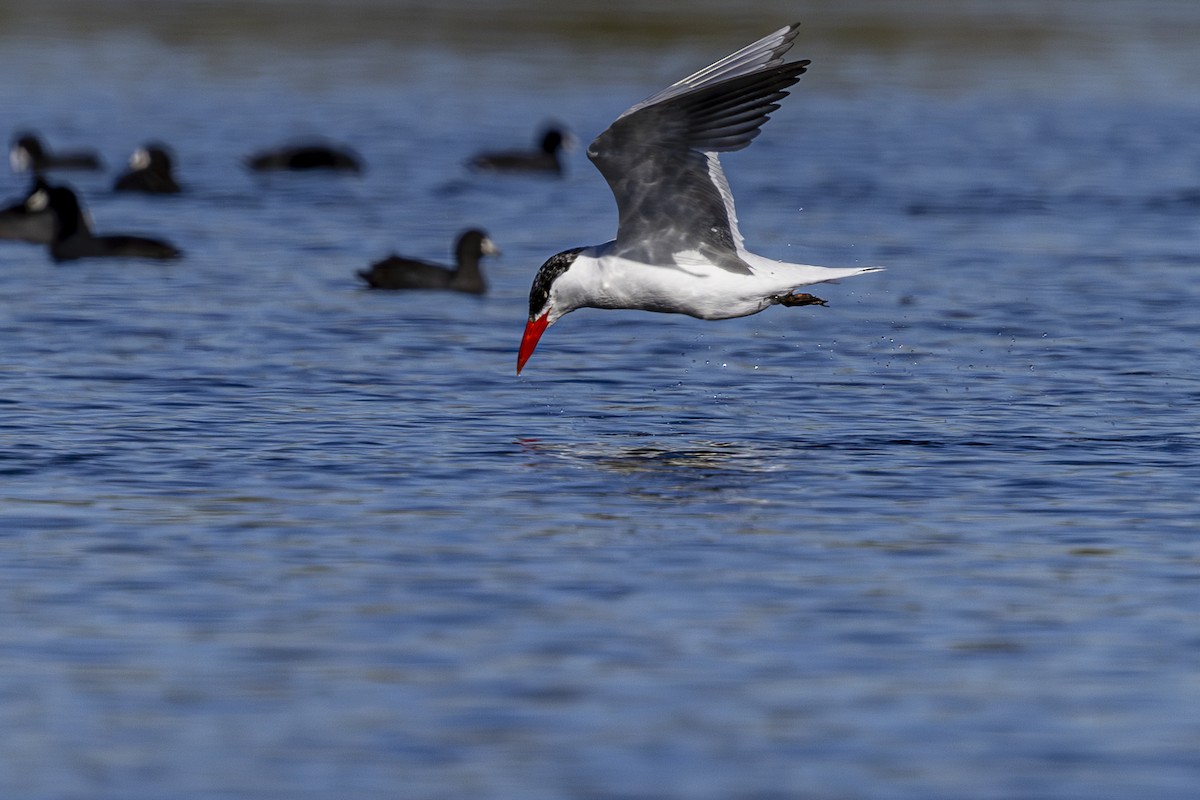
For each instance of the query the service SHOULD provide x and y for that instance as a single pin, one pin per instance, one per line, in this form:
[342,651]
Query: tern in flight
[678,249]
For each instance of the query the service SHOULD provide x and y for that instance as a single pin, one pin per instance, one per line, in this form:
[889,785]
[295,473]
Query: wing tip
[787,35]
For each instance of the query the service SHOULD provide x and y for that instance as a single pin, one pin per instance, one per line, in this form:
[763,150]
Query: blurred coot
[399,272]
[545,158]
[30,219]
[151,169]
[74,239]
[30,154]
[306,157]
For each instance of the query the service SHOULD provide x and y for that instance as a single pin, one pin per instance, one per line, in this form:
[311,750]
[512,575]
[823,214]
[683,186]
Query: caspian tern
[678,249]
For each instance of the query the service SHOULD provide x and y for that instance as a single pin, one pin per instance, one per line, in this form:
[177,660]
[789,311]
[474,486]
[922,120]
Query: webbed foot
[800,299]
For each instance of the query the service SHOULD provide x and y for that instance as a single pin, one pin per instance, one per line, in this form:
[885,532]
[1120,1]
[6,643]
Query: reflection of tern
[678,249]
[700,457]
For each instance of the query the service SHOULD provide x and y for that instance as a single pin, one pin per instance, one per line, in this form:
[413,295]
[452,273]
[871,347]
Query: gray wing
[660,161]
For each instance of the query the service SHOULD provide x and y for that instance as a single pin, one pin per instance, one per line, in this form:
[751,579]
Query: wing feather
[660,161]
[767,51]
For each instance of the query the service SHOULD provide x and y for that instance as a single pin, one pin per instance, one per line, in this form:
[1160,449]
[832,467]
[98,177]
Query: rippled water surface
[265,534]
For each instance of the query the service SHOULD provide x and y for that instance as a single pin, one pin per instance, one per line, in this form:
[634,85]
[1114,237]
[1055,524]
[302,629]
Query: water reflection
[694,463]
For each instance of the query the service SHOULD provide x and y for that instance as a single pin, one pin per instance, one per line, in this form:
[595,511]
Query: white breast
[692,286]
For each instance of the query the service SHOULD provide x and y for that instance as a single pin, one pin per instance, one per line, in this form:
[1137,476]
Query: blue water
[265,534]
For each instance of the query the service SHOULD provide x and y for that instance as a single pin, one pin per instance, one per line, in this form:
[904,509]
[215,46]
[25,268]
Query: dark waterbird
[150,172]
[543,159]
[29,154]
[306,157]
[398,272]
[30,219]
[74,239]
